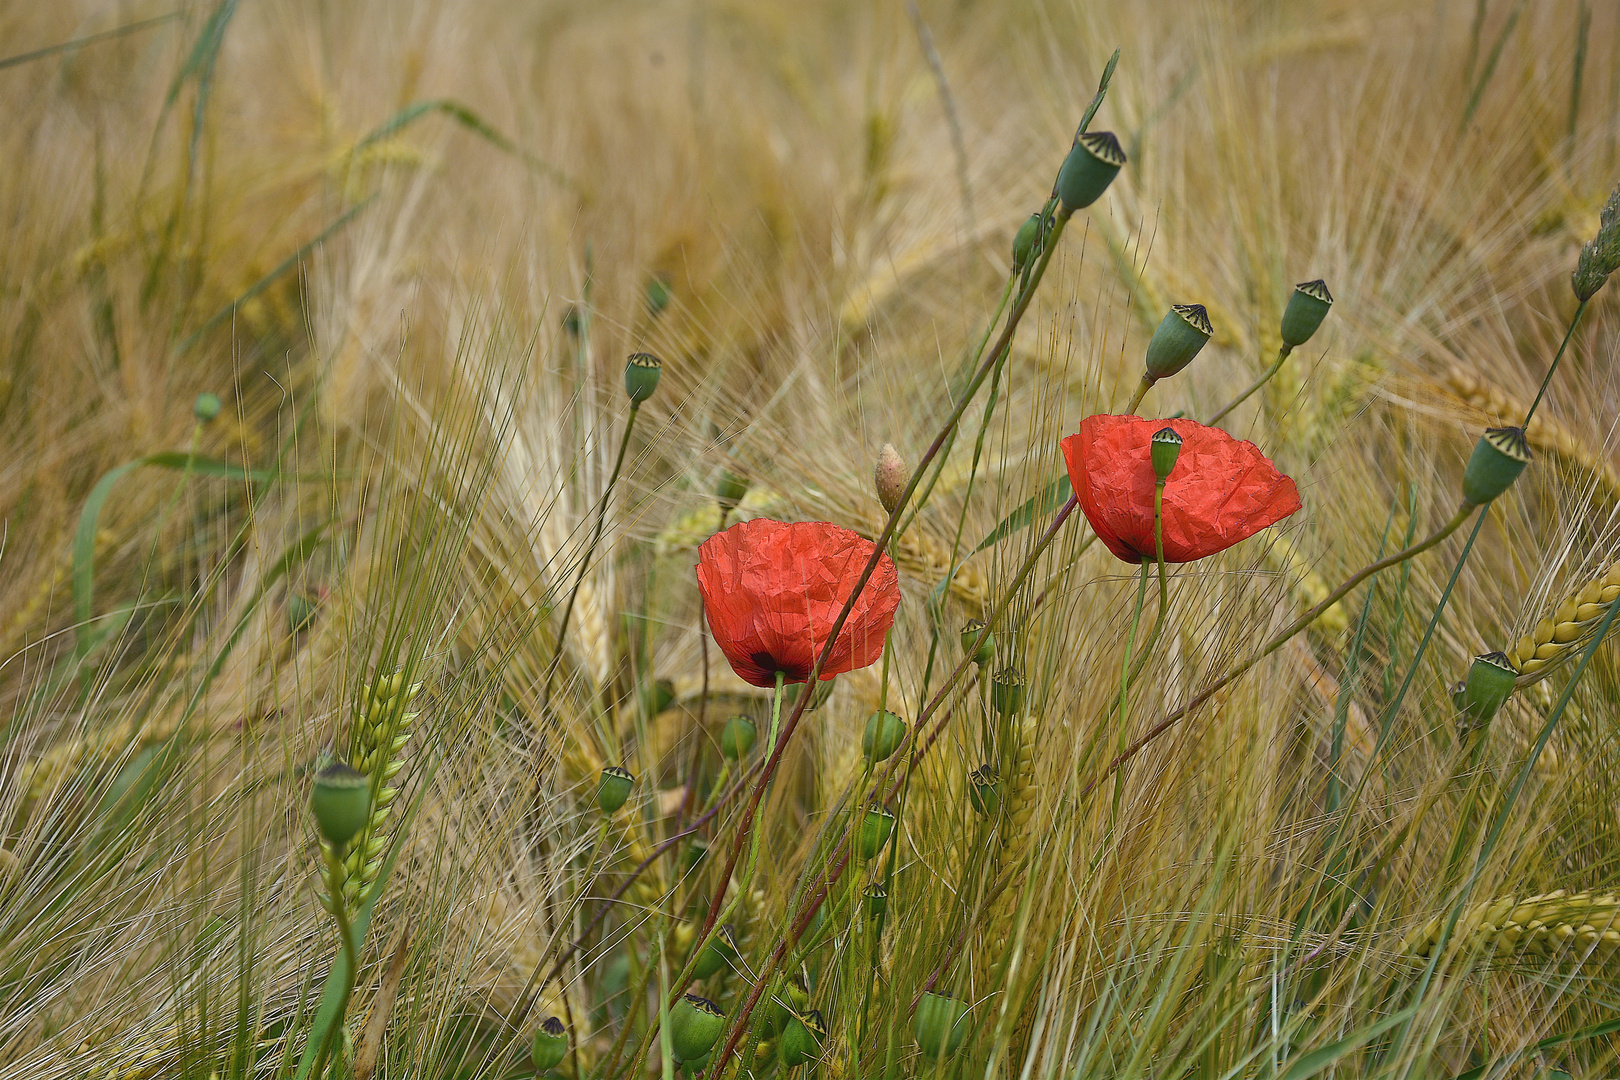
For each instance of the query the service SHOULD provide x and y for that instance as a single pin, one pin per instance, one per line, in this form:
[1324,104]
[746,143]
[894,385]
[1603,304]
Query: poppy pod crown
[1223,490]
[772,591]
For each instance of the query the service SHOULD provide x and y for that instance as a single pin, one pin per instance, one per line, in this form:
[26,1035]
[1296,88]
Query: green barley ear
[641,373]
[550,1044]
[875,829]
[986,650]
[877,899]
[802,1040]
[614,788]
[1600,256]
[884,733]
[382,727]
[341,803]
[1487,688]
[938,1025]
[1165,449]
[731,489]
[695,1023]
[1007,691]
[1306,309]
[1183,331]
[206,407]
[984,791]
[1499,457]
[737,737]
[1093,162]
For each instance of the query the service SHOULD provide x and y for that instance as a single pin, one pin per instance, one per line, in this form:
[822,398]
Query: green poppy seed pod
[938,1025]
[1488,686]
[717,955]
[884,733]
[341,802]
[794,998]
[802,1040]
[875,829]
[1306,309]
[1091,166]
[1183,331]
[731,489]
[985,650]
[737,737]
[877,900]
[695,1023]
[1024,241]
[658,295]
[1007,691]
[1499,457]
[206,407]
[1165,448]
[659,696]
[890,476]
[614,788]
[696,1065]
[984,791]
[641,374]
[550,1044]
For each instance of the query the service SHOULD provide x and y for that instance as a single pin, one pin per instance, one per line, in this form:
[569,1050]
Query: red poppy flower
[1221,491]
[772,591]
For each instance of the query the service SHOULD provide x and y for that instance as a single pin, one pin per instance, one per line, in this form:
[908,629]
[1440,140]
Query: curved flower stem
[596,536]
[1276,366]
[1141,392]
[1277,642]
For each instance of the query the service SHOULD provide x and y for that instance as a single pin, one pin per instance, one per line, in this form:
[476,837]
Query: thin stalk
[1141,392]
[1553,367]
[1125,675]
[340,912]
[1276,366]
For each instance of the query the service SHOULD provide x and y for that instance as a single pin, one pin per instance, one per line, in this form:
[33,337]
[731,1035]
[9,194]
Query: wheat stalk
[1558,636]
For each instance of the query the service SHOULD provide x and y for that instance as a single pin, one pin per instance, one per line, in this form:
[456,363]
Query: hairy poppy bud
[641,374]
[695,1023]
[1165,448]
[737,737]
[1024,242]
[550,1044]
[890,476]
[1007,691]
[1182,332]
[984,651]
[938,1025]
[658,295]
[731,489]
[984,791]
[1306,309]
[1499,457]
[614,788]
[801,1042]
[1488,686]
[877,899]
[875,829]
[1091,166]
[341,802]
[884,732]
[717,955]
[206,407]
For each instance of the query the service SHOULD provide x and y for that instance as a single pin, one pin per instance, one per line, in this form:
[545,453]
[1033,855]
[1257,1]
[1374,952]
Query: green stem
[1276,366]
[334,889]
[1553,367]
[1125,680]
[1141,391]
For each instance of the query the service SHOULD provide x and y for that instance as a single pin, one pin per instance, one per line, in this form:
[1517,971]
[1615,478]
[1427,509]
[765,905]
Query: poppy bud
[1183,331]
[695,1023]
[731,490]
[341,802]
[890,476]
[986,650]
[1488,686]
[658,295]
[1499,457]
[1306,309]
[641,374]
[1024,242]
[884,733]
[1165,449]
[696,1065]
[716,956]
[1007,691]
[875,829]
[206,407]
[658,697]
[573,322]
[938,1025]
[614,788]
[1093,162]
[877,899]
[737,737]
[984,790]
[550,1044]
[801,1042]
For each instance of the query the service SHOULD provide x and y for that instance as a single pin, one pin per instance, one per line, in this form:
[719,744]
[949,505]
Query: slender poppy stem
[1553,367]
[1276,366]
[1278,641]
[340,912]
[1141,392]
[1123,711]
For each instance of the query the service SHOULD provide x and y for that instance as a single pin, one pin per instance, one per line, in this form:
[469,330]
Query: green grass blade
[1044,501]
[1310,1064]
